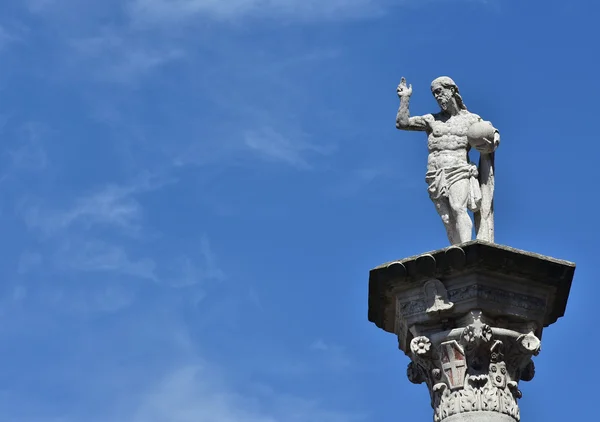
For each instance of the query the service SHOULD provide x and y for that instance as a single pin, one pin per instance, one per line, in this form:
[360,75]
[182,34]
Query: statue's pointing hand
[404,91]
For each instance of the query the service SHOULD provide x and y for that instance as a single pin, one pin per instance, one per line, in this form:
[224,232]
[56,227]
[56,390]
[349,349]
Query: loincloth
[441,180]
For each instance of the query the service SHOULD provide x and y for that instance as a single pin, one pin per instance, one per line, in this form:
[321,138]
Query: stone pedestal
[470,317]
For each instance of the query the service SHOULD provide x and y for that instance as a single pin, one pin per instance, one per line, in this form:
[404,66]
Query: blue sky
[194,191]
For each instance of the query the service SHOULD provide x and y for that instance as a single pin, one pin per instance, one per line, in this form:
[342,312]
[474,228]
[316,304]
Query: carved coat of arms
[454,363]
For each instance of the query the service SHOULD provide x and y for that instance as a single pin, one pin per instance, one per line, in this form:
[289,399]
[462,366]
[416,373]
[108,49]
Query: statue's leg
[458,195]
[443,208]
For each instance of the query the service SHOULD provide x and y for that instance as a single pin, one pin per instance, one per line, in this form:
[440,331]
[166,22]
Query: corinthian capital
[470,317]
[476,368]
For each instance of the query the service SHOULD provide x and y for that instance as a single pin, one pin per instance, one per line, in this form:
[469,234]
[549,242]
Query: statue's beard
[443,103]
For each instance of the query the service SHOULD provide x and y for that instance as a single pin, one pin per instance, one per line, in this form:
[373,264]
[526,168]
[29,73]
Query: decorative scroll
[476,373]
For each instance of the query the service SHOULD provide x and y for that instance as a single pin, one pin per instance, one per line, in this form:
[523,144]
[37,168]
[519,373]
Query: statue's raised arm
[403,119]
[455,184]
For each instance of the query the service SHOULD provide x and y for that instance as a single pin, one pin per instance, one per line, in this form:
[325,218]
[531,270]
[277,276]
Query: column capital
[470,317]
[476,368]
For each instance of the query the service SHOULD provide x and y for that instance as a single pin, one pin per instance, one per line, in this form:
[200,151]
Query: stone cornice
[549,277]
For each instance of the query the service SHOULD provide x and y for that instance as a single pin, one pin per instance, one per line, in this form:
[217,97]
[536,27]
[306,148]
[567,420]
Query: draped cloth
[439,182]
[484,217]
[480,197]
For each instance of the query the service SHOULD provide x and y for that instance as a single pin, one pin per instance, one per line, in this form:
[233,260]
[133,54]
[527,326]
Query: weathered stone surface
[509,282]
[470,317]
[480,417]
[455,184]
[473,369]
[436,297]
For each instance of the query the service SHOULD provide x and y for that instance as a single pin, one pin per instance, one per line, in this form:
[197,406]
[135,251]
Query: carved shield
[498,374]
[454,363]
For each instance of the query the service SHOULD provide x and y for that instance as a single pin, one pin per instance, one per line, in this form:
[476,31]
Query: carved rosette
[474,370]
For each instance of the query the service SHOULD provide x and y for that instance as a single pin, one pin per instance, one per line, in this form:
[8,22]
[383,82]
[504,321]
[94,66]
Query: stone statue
[455,184]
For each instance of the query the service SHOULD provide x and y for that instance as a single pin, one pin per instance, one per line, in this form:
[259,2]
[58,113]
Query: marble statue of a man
[455,184]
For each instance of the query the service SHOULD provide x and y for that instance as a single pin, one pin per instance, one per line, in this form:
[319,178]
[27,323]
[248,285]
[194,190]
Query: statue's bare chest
[456,125]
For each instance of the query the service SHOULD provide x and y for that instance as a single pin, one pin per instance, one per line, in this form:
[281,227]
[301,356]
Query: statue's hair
[447,82]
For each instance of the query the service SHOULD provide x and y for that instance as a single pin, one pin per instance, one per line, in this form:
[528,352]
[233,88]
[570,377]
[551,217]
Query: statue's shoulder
[435,116]
[472,117]
[428,117]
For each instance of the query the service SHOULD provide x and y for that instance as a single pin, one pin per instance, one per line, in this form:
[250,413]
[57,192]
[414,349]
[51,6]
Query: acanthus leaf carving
[477,372]
[490,400]
[469,399]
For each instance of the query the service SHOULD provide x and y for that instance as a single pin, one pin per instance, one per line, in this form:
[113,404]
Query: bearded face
[442,95]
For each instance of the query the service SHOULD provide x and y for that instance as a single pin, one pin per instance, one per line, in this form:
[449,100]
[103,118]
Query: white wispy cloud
[197,269]
[36,6]
[29,153]
[352,182]
[5,37]
[319,345]
[83,298]
[11,34]
[121,56]
[81,252]
[194,393]
[113,205]
[170,11]
[275,146]
[99,256]
[233,78]
[334,355]
[111,299]
[149,365]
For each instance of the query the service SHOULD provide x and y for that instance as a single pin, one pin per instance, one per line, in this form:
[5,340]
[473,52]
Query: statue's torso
[447,139]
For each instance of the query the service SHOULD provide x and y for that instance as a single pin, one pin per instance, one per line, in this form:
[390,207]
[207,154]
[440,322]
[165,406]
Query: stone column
[470,317]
